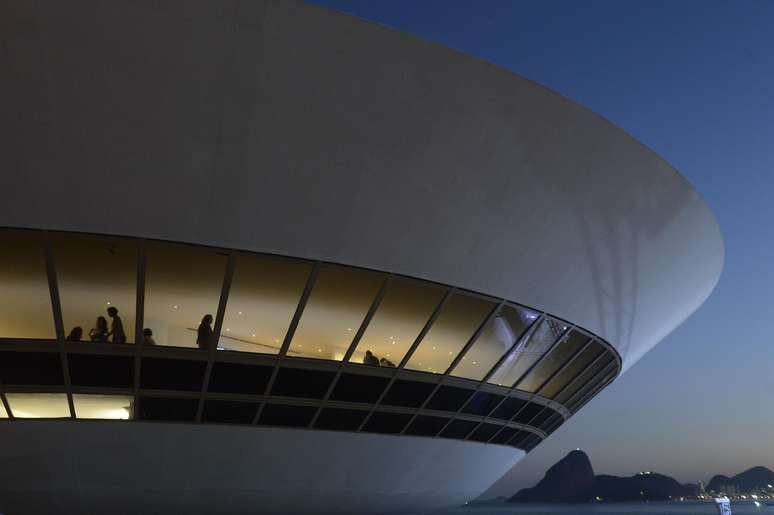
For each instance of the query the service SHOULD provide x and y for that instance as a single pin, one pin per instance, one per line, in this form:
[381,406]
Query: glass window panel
[3,413]
[458,429]
[337,419]
[284,415]
[496,339]
[337,306]
[449,398]
[25,301]
[534,344]
[388,423]
[576,366]
[298,382]
[263,298]
[591,390]
[409,394]
[96,273]
[31,368]
[176,410]
[424,425]
[484,432]
[482,403]
[182,285]
[505,434]
[113,407]
[239,378]
[38,405]
[560,354]
[405,309]
[229,412]
[587,375]
[359,388]
[458,321]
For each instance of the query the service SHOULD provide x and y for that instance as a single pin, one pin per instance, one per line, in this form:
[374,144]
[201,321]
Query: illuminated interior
[337,306]
[264,294]
[182,284]
[460,318]
[106,407]
[499,335]
[24,294]
[405,309]
[320,310]
[95,273]
[3,413]
[528,351]
[38,405]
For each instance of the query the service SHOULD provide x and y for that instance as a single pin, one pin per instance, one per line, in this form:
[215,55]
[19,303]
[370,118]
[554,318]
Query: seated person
[370,359]
[99,333]
[75,335]
[386,363]
[147,337]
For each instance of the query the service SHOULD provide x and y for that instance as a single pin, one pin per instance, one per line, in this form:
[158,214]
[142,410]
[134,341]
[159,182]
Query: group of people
[371,359]
[100,332]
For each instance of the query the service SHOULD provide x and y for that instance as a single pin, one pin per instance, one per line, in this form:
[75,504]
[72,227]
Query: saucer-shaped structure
[416,265]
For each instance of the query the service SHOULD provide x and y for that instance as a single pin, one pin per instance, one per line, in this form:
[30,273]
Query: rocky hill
[747,481]
[572,479]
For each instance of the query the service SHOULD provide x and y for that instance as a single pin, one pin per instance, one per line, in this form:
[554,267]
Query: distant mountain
[649,487]
[747,481]
[569,480]
[572,479]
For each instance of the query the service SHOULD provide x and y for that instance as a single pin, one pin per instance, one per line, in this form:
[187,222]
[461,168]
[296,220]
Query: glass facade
[405,309]
[553,361]
[106,407]
[499,335]
[182,286]
[458,321]
[97,276]
[38,405]
[337,306]
[528,351]
[24,293]
[264,295]
[575,367]
[96,273]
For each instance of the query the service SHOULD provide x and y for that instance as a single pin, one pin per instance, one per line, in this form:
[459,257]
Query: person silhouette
[204,333]
[75,335]
[147,337]
[99,333]
[116,326]
[384,362]
[370,359]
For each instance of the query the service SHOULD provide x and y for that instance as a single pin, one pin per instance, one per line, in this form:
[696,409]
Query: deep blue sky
[694,80]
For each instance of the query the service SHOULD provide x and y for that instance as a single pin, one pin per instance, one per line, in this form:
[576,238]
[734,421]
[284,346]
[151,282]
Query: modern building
[324,188]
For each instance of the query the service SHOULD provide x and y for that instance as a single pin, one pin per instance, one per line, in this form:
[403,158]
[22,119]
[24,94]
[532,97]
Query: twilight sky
[693,80]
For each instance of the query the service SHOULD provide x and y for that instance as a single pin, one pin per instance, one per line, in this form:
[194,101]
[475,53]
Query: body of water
[683,508]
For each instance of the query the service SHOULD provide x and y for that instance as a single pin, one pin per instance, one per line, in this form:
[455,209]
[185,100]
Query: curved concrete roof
[284,128]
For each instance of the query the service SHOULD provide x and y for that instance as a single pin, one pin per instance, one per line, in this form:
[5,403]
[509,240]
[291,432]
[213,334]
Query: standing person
[99,332]
[116,326]
[204,333]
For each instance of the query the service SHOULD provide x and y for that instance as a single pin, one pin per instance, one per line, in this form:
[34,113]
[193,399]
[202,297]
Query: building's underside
[333,193]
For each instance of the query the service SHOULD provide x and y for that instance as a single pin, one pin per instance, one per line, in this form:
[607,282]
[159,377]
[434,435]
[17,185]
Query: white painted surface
[279,127]
[88,467]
